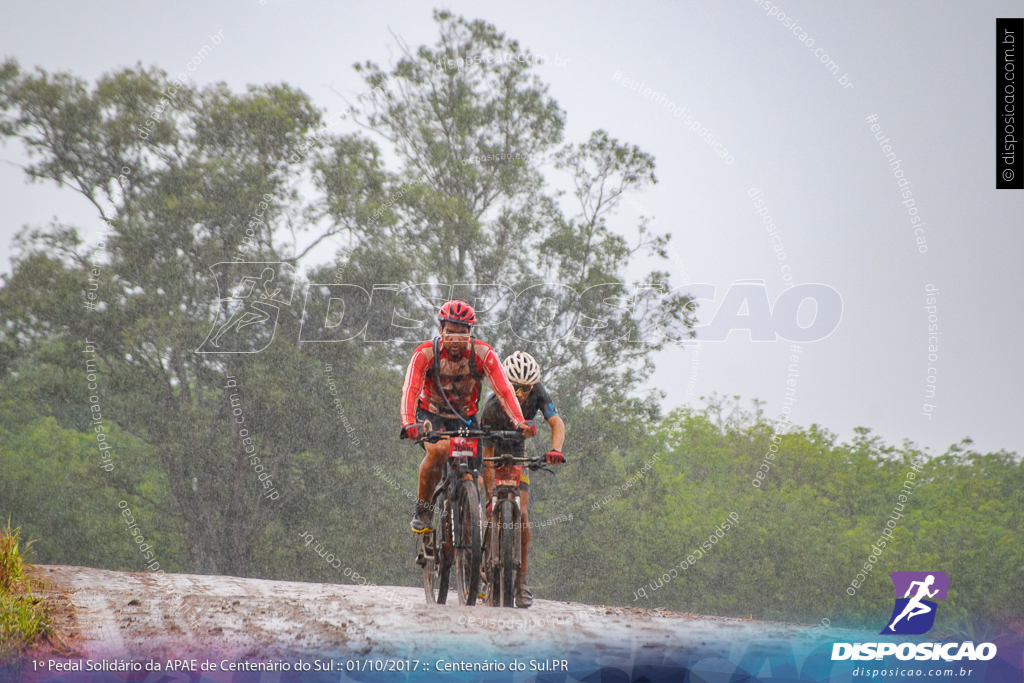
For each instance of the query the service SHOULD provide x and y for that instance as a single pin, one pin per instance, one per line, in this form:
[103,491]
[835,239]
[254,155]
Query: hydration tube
[437,377]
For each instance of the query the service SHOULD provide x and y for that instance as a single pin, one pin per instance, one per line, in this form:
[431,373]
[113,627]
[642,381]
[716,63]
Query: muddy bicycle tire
[468,557]
[437,572]
[506,553]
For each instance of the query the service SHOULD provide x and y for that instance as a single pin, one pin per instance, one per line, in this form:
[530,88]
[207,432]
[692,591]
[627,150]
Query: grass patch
[24,618]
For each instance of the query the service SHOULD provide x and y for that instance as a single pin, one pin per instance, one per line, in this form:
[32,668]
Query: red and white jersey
[461,379]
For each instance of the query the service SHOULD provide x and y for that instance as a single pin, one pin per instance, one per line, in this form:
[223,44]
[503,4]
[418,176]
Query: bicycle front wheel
[506,553]
[467,550]
[438,551]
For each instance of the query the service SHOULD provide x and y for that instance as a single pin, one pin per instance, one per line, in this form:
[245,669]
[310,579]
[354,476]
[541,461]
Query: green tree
[456,219]
[72,508]
[176,200]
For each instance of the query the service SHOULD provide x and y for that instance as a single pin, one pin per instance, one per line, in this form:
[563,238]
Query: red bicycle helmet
[457,312]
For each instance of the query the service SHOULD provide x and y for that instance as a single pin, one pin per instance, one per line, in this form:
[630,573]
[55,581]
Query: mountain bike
[504,539]
[456,537]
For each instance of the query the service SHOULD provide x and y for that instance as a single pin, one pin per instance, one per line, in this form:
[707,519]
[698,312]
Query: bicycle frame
[448,486]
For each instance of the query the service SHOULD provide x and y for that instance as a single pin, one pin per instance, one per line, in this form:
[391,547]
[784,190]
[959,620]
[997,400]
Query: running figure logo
[914,615]
[250,299]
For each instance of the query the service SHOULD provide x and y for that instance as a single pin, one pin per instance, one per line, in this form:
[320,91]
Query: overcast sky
[926,70]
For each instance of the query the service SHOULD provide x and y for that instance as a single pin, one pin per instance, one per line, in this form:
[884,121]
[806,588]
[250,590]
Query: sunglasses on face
[453,337]
[522,389]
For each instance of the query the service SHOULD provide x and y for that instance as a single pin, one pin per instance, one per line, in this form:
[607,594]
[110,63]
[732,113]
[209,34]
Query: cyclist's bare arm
[557,431]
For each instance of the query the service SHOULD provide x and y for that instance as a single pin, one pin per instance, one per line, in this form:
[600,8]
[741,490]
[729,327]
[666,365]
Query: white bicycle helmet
[522,368]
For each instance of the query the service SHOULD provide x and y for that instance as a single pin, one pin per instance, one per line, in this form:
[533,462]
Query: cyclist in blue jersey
[523,372]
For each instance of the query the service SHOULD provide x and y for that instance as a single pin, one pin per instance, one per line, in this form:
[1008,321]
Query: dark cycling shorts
[448,424]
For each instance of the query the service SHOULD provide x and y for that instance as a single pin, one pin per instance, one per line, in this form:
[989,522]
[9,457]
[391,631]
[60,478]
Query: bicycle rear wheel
[506,553]
[467,550]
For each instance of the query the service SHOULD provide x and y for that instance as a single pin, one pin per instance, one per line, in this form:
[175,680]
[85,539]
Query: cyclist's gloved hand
[528,429]
[555,457]
[416,430]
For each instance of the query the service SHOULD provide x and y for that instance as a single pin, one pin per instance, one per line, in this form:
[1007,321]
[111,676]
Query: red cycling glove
[416,430]
[555,457]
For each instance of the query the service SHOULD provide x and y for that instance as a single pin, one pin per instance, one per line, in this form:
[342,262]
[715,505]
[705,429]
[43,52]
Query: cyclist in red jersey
[442,391]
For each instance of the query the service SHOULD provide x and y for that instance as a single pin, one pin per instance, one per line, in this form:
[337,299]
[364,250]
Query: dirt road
[131,616]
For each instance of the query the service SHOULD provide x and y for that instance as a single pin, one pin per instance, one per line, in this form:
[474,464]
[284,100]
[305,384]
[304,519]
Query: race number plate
[508,476]
[463,447]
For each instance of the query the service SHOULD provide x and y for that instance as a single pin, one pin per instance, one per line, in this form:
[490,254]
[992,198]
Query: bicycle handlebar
[434,437]
[516,458]
[537,463]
